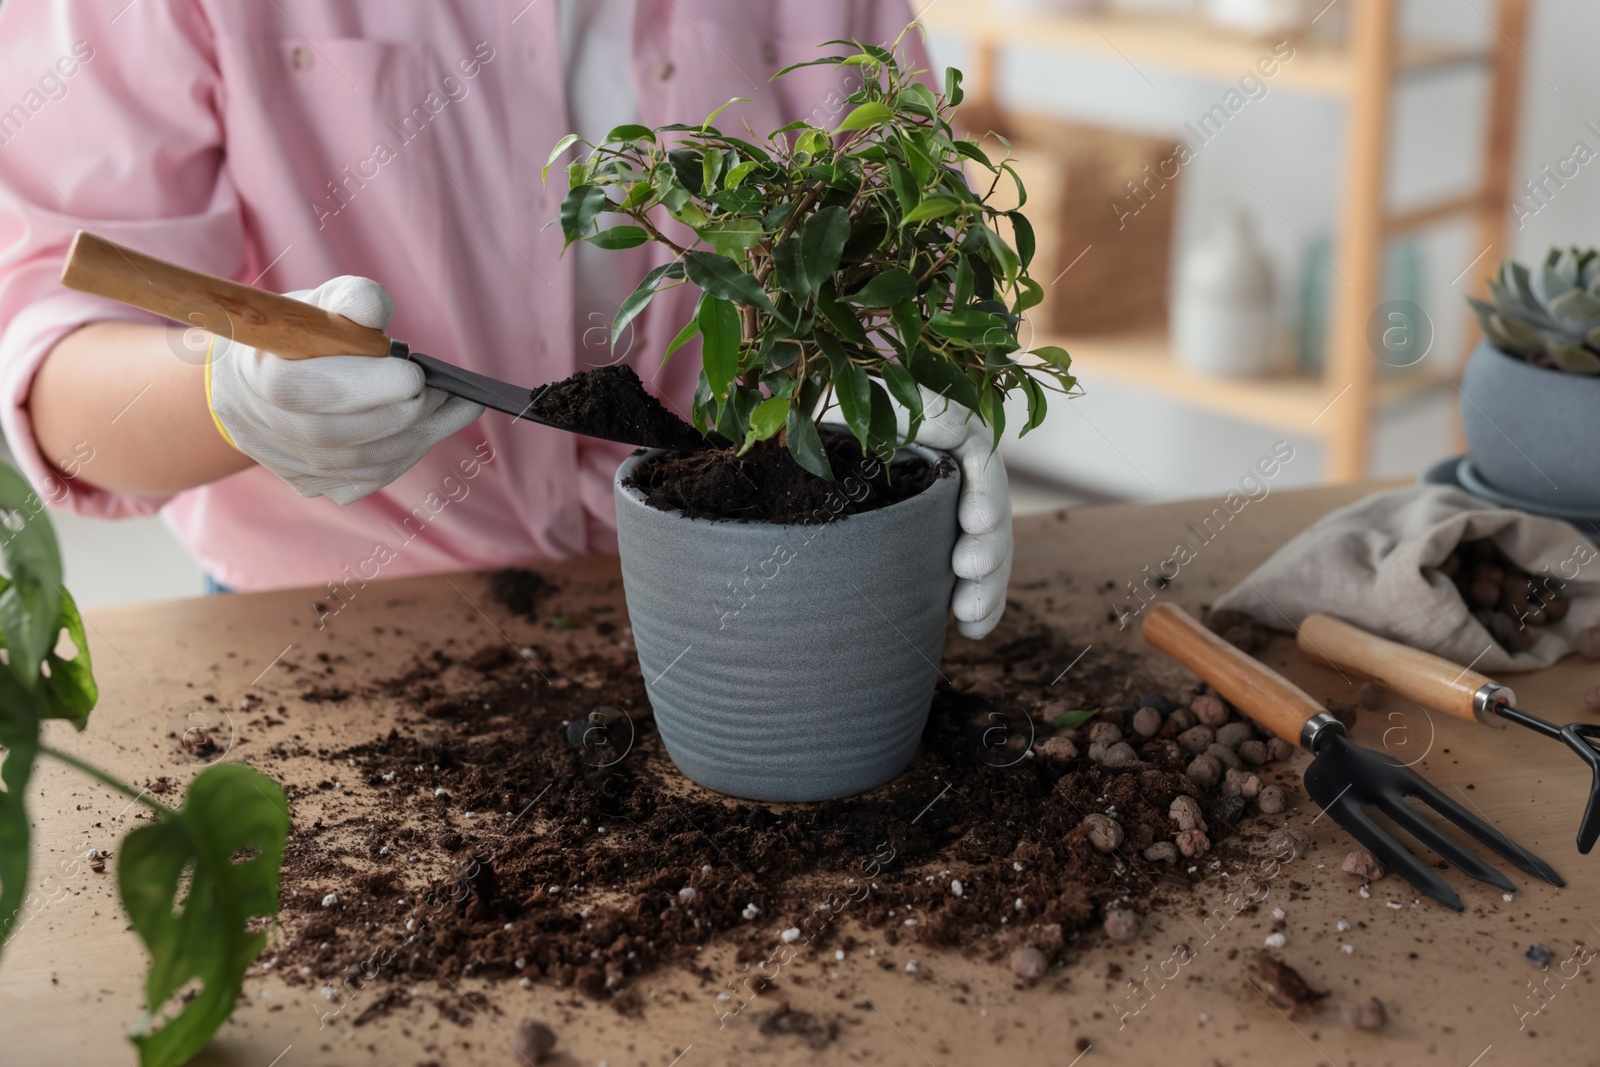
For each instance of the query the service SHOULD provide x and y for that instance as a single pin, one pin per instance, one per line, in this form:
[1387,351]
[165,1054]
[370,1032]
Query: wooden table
[1457,986]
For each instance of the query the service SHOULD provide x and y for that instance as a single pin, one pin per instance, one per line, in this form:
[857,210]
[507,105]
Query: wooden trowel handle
[255,317]
[1432,681]
[1247,683]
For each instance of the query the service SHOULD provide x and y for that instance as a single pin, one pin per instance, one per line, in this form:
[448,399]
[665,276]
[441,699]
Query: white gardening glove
[334,426]
[982,558]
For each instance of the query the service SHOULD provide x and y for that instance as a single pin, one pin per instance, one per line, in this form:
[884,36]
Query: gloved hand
[334,426]
[982,557]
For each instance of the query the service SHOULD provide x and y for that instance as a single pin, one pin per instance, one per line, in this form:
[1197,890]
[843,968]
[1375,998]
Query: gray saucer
[1458,471]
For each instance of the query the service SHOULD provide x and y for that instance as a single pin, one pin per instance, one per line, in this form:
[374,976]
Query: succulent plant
[1549,317]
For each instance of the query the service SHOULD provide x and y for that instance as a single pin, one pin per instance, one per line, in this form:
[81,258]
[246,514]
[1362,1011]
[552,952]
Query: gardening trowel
[296,330]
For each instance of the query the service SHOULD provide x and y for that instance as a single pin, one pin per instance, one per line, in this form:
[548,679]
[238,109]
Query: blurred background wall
[1279,161]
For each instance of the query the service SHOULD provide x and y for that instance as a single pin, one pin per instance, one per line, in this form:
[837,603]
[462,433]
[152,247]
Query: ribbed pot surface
[790,663]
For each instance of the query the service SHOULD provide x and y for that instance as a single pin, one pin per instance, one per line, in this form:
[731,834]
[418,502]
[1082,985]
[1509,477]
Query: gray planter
[790,663]
[1532,433]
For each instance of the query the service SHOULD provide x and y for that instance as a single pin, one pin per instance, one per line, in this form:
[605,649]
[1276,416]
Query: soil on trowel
[522,821]
[611,402]
[767,485]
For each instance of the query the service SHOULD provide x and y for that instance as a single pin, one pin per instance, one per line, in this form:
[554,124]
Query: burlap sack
[1374,563]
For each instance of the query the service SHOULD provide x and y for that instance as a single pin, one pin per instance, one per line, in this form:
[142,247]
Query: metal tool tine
[1424,791]
[1441,843]
[1580,737]
[1346,811]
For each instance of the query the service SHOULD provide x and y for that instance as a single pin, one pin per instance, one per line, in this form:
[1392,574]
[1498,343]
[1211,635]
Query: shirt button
[664,71]
[769,51]
[300,57]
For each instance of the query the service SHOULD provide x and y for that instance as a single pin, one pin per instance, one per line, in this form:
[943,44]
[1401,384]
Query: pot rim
[635,498]
[1524,366]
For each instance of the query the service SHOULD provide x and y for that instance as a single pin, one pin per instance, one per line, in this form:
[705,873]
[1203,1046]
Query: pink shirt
[285,143]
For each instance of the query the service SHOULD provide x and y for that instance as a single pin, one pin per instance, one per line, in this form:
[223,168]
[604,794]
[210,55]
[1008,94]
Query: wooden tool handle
[1250,685]
[255,317]
[1430,680]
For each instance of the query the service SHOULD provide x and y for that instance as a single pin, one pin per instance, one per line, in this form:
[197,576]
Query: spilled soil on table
[522,821]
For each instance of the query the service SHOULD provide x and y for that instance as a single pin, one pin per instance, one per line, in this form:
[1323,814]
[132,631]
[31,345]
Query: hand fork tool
[1344,779]
[1436,683]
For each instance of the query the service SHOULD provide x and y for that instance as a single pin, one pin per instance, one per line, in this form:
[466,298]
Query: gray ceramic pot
[790,663]
[1532,432]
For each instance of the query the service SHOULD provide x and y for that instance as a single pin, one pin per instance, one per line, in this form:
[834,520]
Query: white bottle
[1222,321]
[1261,18]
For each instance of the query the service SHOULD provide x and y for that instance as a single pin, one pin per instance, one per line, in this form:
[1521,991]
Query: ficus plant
[194,878]
[845,265]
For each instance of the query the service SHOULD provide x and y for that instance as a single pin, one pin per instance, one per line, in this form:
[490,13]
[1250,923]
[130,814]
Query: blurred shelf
[1182,43]
[1296,402]
[1364,72]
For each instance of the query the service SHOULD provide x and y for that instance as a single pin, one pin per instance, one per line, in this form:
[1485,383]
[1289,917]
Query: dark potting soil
[767,485]
[488,835]
[611,402]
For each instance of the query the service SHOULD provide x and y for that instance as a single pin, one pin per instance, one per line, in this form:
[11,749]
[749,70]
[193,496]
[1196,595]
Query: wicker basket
[1101,202]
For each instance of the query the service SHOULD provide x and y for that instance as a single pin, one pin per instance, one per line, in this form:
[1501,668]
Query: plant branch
[104,779]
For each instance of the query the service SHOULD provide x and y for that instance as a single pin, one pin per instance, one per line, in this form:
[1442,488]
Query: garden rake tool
[1344,778]
[1437,683]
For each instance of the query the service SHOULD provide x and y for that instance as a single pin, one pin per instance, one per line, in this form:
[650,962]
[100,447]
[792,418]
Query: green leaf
[578,211]
[935,207]
[70,691]
[822,241]
[881,431]
[721,277]
[732,233]
[719,342]
[903,387]
[733,420]
[943,377]
[805,445]
[1023,229]
[690,331]
[616,237]
[737,175]
[767,419]
[628,132]
[961,291]
[640,297]
[19,736]
[711,168]
[908,320]
[866,116]
[1071,720]
[1054,355]
[555,153]
[952,86]
[1029,294]
[1037,402]
[893,286]
[30,605]
[992,409]
[970,325]
[854,390]
[197,928]
[904,185]
[840,317]
[812,143]
[706,125]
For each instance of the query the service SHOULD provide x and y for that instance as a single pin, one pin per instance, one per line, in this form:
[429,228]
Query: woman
[309,145]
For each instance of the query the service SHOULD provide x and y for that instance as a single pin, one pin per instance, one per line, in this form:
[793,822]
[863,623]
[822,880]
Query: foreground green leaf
[228,840]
